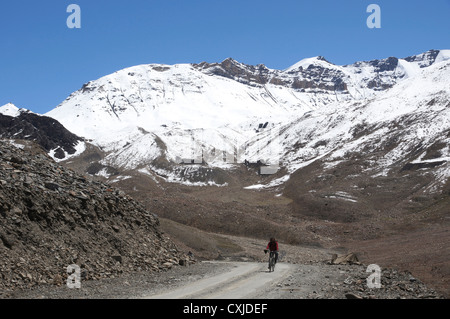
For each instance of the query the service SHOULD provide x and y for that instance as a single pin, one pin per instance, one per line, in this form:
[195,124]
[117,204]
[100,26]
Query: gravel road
[244,280]
[241,280]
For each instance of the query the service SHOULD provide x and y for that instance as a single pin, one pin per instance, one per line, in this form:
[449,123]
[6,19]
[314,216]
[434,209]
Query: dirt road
[252,280]
[242,280]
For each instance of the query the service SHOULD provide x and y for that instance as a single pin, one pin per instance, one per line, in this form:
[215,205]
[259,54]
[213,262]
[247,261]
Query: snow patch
[79,149]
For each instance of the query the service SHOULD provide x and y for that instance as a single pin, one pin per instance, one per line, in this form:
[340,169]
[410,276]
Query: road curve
[242,281]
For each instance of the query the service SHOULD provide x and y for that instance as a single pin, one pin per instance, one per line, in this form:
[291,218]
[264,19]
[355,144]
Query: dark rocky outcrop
[46,131]
[313,77]
[323,77]
[231,69]
[425,59]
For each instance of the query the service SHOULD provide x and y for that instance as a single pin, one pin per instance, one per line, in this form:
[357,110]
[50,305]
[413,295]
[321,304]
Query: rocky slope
[51,217]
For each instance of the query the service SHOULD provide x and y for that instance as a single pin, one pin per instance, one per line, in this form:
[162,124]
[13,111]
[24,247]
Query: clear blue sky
[42,61]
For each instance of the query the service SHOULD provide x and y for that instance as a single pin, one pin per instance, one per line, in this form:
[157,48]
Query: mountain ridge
[180,105]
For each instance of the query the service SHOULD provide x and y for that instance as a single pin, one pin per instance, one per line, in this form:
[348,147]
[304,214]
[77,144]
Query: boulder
[349,258]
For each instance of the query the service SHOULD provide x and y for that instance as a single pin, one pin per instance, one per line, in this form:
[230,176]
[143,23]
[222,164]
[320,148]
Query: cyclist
[272,246]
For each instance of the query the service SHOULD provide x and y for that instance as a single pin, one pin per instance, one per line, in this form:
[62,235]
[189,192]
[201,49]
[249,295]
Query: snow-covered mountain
[229,112]
[408,123]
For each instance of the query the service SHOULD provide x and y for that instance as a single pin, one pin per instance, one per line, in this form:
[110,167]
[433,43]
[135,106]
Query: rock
[117,258]
[52,186]
[6,240]
[15,210]
[16,160]
[352,296]
[57,280]
[350,258]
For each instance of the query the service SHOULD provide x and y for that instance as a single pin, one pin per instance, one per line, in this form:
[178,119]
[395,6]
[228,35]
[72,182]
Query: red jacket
[272,246]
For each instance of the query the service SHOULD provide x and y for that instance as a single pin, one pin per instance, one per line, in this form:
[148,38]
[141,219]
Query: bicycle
[271,260]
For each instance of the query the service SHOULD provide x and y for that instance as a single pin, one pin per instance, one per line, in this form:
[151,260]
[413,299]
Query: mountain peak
[321,58]
[230,60]
[10,110]
[305,63]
